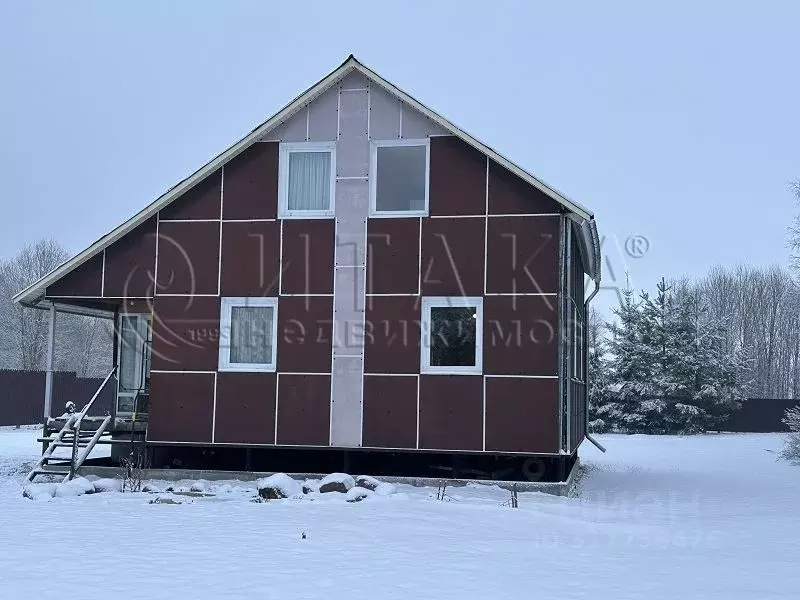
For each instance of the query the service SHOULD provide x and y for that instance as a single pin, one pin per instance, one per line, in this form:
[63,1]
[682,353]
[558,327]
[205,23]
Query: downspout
[586,433]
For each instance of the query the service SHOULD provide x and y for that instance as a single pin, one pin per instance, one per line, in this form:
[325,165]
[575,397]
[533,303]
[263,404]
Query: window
[248,334]
[399,185]
[452,335]
[306,180]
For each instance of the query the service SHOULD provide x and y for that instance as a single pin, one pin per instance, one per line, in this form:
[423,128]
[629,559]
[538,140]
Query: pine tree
[629,369]
[670,371]
[598,373]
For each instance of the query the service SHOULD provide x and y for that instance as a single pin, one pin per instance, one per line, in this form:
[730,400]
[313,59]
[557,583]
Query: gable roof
[581,215]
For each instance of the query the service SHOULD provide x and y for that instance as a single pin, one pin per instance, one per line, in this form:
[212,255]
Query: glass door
[133,373]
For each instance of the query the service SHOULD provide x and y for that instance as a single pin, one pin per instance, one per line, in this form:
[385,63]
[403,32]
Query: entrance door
[135,346]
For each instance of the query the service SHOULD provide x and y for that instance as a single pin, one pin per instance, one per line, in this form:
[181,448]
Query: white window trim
[373,180]
[226,309]
[283,181]
[425,334]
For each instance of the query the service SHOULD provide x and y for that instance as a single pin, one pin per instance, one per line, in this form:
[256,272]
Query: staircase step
[48,472]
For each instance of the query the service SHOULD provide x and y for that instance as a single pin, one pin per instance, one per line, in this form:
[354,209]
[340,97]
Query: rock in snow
[367,482]
[107,485]
[357,494]
[311,486]
[198,486]
[278,486]
[36,491]
[337,482]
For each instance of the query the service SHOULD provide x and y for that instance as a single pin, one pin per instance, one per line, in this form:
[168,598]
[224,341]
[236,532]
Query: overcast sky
[679,123]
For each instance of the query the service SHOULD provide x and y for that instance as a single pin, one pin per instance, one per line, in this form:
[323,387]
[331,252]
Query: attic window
[306,180]
[399,185]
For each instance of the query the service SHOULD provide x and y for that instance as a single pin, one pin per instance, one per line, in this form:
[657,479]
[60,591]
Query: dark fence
[22,395]
[760,415]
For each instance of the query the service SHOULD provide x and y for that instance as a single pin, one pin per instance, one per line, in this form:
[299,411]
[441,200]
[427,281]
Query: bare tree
[83,344]
[23,330]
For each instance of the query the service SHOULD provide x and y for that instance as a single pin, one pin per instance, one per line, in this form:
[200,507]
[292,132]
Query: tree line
[83,344]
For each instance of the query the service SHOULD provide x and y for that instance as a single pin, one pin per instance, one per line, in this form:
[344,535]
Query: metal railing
[77,460]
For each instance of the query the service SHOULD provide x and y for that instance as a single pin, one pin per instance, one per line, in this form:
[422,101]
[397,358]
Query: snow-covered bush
[792,450]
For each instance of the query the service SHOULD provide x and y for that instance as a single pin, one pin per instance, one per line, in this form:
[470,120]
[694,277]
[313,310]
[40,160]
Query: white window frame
[226,309]
[285,149]
[373,179]
[430,302]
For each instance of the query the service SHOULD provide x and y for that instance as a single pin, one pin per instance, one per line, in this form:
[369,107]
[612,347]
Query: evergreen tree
[598,373]
[670,369]
[629,370]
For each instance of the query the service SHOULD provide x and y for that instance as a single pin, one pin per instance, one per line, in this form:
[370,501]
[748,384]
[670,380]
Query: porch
[126,388]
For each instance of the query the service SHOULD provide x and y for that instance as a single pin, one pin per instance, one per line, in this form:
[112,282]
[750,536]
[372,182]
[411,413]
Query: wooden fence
[760,415]
[22,395]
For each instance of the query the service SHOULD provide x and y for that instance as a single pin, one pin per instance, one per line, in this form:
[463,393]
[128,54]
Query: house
[357,283]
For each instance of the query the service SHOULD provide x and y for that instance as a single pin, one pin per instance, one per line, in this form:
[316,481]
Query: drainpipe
[586,434]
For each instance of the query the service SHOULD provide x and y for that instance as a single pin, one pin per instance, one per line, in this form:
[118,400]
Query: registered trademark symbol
[637,245]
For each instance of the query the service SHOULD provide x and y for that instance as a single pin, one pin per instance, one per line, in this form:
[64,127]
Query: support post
[48,381]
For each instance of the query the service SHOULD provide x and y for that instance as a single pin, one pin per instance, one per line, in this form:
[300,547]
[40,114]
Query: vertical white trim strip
[419,260]
[214,412]
[103,276]
[369,111]
[418,376]
[486,232]
[221,205]
[280,258]
[155,265]
[277,384]
[308,121]
[484,413]
[401,120]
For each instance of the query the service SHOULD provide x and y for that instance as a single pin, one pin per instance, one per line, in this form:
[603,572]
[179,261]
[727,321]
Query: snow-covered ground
[712,517]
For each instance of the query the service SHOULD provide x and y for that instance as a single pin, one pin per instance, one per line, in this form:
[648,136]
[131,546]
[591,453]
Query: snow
[710,517]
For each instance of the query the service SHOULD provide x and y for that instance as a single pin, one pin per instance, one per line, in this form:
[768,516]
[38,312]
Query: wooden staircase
[78,436]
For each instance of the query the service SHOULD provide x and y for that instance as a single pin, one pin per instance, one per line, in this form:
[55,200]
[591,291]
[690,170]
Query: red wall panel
[304,334]
[181,407]
[521,415]
[130,263]
[307,256]
[202,201]
[508,194]
[85,280]
[188,258]
[451,412]
[391,341]
[186,333]
[304,405]
[457,178]
[393,256]
[390,412]
[251,184]
[522,255]
[250,258]
[452,256]
[245,408]
[520,335]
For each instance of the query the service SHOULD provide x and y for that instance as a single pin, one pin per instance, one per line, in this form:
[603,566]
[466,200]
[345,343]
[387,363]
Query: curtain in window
[309,181]
[251,334]
[127,362]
